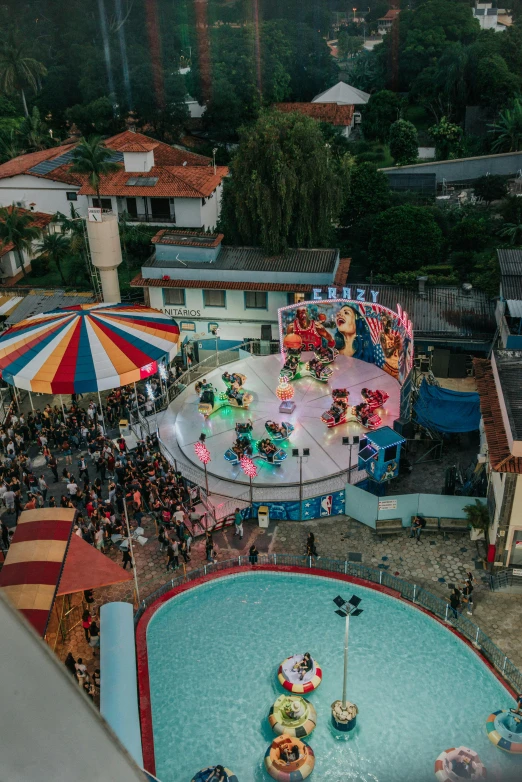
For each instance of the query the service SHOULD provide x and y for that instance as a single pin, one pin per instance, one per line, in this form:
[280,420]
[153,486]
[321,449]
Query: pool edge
[145,710]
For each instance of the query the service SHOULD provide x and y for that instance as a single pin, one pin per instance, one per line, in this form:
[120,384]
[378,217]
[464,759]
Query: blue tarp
[447,411]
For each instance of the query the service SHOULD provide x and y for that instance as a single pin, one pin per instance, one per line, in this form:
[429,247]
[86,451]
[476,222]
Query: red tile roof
[322,112]
[173,181]
[171,236]
[500,456]
[164,154]
[143,282]
[390,15]
[40,220]
[22,163]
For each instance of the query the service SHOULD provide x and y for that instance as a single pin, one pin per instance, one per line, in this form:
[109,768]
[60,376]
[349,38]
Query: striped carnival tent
[87,348]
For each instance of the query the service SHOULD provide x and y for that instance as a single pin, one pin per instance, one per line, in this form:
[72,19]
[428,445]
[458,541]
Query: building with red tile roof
[385,23]
[156,183]
[340,116]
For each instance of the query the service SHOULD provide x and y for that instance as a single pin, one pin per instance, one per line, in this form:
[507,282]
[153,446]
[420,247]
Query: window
[106,204]
[212,298]
[173,296]
[72,196]
[255,300]
[390,453]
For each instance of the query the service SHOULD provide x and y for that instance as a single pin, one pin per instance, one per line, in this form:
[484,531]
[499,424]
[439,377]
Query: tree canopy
[285,187]
[405,238]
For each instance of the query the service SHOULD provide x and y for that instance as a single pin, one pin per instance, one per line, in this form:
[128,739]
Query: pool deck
[433,564]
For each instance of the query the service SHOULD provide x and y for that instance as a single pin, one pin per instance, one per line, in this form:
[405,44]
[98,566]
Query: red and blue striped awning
[87,348]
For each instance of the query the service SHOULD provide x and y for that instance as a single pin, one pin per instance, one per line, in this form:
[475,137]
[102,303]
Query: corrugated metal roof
[500,455]
[35,303]
[510,262]
[509,366]
[252,259]
[444,311]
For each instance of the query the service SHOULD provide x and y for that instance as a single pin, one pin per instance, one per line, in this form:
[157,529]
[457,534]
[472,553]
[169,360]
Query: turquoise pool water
[213,657]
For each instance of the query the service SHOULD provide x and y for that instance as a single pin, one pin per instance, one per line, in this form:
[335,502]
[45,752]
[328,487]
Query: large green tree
[404,238]
[507,129]
[55,248]
[379,114]
[285,187]
[404,142]
[369,193]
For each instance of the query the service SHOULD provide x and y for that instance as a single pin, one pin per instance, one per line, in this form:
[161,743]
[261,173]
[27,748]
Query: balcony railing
[148,218]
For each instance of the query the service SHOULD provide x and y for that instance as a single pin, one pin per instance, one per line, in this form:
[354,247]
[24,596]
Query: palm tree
[92,158]
[18,71]
[17,228]
[10,145]
[34,132]
[508,129]
[513,231]
[55,248]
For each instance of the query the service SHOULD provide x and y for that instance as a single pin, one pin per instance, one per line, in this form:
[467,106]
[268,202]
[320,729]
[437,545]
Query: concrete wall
[49,196]
[188,212]
[464,169]
[364,507]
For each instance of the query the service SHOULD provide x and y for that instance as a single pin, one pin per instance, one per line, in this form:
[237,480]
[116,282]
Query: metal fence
[412,592]
[505,578]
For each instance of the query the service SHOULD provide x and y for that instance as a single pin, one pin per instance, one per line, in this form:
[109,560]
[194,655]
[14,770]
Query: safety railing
[505,578]
[411,592]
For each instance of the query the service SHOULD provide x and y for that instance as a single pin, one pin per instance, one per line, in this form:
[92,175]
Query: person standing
[5,537]
[311,550]
[86,623]
[455,602]
[172,556]
[94,637]
[53,465]
[70,664]
[253,554]
[467,597]
[43,487]
[238,524]
[127,559]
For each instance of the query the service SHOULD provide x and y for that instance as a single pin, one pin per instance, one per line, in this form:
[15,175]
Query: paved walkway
[435,564]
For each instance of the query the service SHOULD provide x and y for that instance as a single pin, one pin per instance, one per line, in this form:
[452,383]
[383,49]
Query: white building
[238,290]
[10,260]
[385,23]
[343,94]
[155,183]
[491,18]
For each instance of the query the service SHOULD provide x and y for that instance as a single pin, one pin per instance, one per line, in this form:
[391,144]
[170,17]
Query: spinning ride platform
[182,424]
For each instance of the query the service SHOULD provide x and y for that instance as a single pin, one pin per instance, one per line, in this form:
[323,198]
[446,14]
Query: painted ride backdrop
[363,330]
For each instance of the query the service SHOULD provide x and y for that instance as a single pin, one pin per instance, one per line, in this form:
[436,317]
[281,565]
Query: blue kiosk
[379,454]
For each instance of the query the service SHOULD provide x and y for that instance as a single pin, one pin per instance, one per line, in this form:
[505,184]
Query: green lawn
[372,152]
[77,277]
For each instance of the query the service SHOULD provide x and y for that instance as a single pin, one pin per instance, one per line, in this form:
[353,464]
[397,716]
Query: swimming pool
[213,655]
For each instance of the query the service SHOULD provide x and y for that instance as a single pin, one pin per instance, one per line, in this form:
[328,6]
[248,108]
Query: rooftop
[179,172]
[187,238]
[390,15]
[510,262]
[509,367]
[332,113]
[500,455]
[253,259]
[444,311]
[342,93]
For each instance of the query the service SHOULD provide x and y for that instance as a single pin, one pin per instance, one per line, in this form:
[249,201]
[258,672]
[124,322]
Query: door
[132,207]
[160,208]
[516,549]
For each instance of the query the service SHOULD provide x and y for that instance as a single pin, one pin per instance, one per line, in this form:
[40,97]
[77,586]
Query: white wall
[188,212]
[515,522]
[138,162]
[234,320]
[49,196]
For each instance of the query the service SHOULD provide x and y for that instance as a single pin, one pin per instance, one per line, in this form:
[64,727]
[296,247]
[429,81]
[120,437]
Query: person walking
[172,556]
[311,550]
[94,637]
[467,597]
[70,664]
[238,524]
[127,559]
[43,487]
[53,465]
[86,623]
[455,602]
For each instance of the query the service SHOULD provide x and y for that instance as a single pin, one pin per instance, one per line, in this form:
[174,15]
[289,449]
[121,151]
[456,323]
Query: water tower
[104,241]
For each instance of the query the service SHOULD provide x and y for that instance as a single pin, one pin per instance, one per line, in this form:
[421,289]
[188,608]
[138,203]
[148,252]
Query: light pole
[344,713]
[204,457]
[350,442]
[250,470]
[295,452]
[354,10]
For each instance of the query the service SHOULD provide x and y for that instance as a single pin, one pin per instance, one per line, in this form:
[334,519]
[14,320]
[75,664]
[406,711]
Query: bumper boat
[242,447]
[374,399]
[293,770]
[206,774]
[231,379]
[279,432]
[457,764]
[269,452]
[339,412]
[291,680]
[504,729]
[210,401]
[325,354]
[292,715]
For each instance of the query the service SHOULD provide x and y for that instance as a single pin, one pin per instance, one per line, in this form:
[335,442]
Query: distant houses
[337,106]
